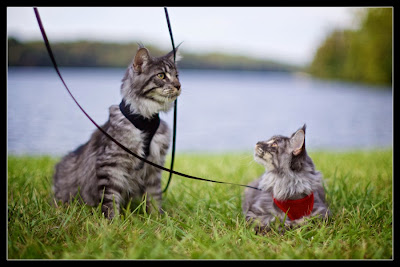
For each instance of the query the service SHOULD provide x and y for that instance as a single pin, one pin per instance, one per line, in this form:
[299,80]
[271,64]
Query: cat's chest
[135,140]
[157,151]
[154,151]
[159,144]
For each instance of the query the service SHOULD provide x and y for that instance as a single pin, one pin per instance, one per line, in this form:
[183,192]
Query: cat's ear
[178,55]
[142,57]
[297,141]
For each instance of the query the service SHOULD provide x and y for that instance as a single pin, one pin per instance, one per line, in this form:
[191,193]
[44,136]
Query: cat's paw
[262,229]
[108,211]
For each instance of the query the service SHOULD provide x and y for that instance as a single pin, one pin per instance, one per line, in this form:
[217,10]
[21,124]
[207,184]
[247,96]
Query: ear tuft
[178,55]
[142,57]
[304,128]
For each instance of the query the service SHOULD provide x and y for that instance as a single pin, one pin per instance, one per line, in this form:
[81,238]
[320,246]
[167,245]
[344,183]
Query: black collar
[147,126]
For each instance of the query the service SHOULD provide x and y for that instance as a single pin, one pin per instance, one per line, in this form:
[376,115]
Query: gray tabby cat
[290,177]
[99,170]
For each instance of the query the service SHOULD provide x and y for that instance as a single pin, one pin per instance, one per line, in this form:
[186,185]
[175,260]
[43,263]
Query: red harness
[296,208]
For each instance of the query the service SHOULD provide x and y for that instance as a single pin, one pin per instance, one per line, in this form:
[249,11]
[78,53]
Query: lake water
[217,111]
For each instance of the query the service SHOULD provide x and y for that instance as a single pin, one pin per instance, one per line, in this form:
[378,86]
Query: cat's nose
[178,86]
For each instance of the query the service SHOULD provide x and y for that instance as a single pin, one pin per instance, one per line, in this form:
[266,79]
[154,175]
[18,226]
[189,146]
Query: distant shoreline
[103,54]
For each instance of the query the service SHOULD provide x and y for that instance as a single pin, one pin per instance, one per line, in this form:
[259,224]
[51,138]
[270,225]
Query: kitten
[99,170]
[290,184]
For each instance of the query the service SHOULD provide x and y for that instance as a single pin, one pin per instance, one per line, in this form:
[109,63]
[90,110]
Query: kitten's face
[278,151]
[151,84]
[268,152]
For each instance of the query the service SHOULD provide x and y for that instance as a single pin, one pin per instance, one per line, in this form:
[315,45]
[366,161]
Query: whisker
[251,162]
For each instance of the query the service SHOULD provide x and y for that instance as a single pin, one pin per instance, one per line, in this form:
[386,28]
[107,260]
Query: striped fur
[99,170]
[290,174]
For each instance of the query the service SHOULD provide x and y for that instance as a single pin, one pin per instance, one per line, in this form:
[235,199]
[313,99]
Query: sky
[284,34]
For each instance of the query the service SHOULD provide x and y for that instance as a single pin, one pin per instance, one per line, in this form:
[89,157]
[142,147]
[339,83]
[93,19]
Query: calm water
[217,110]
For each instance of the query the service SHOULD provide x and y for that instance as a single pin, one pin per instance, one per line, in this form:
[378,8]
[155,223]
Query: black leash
[175,106]
[50,52]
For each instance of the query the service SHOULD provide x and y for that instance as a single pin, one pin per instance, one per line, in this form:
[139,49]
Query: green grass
[204,220]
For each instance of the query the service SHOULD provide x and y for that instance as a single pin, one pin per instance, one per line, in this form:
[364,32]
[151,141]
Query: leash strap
[175,107]
[50,52]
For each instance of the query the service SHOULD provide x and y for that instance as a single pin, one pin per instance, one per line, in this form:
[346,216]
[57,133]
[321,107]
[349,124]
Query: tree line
[103,54]
[360,55]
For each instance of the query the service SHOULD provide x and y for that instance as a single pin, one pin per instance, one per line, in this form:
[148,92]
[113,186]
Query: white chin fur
[268,166]
[259,160]
[147,107]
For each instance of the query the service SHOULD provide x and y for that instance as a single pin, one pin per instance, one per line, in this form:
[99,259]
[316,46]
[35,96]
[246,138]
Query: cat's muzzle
[258,150]
[172,92]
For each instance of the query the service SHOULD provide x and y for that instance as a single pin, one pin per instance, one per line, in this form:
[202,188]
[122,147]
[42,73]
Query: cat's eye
[274,145]
[161,75]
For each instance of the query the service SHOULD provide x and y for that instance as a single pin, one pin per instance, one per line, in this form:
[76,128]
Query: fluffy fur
[290,174]
[99,170]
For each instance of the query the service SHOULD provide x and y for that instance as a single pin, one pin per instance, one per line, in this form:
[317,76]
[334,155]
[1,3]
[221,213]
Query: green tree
[362,55]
